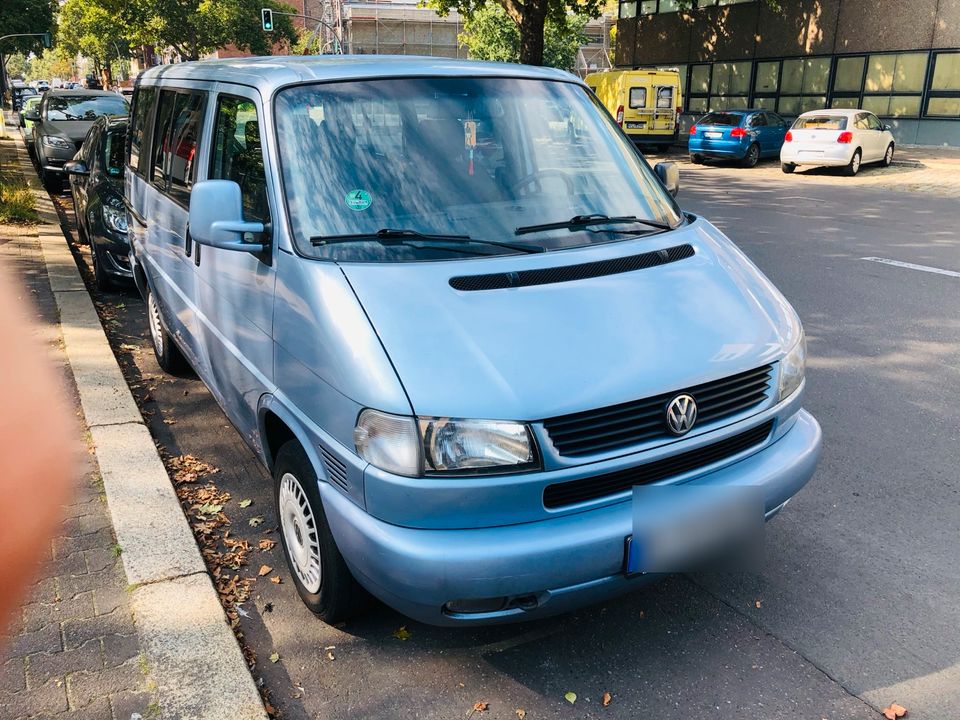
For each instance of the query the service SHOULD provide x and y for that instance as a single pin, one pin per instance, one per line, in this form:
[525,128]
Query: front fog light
[792,368]
[389,442]
[454,444]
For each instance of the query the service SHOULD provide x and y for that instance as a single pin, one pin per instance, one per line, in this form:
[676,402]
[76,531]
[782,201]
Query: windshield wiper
[578,221]
[391,236]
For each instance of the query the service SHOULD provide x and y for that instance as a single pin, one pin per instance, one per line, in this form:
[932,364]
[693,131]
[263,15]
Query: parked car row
[824,138]
[78,136]
[402,286]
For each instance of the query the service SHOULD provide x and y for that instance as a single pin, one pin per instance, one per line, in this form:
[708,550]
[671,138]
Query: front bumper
[52,159]
[551,566]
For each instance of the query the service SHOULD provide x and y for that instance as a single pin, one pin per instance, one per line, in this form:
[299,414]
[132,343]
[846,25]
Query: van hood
[535,352]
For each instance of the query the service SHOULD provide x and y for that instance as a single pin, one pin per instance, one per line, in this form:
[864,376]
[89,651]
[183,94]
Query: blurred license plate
[713,135]
[636,125]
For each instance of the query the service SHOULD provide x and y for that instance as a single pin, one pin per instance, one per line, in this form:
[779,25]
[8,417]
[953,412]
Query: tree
[490,35]
[89,29]
[530,17]
[25,16]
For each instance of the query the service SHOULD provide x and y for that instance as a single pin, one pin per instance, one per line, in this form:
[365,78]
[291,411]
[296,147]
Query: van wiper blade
[391,236]
[585,220]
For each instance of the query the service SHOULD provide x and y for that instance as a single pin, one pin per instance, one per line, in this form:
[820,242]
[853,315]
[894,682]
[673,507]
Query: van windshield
[469,159]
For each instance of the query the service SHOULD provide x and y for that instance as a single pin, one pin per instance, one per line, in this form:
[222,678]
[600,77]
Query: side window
[139,129]
[873,122]
[775,120]
[758,120]
[665,98]
[89,142]
[238,155]
[860,122]
[161,139]
[185,132]
[638,97]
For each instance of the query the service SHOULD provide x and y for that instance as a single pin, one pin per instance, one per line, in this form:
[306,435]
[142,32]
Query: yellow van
[646,103]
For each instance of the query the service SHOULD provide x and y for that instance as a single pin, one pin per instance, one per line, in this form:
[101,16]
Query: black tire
[82,236]
[168,355]
[101,278]
[333,595]
[853,167]
[788,167]
[888,156]
[752,157]
[696,159]
[52,183]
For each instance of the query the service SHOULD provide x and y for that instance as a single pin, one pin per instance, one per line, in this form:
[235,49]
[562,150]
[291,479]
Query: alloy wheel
[156,329]
[299,529]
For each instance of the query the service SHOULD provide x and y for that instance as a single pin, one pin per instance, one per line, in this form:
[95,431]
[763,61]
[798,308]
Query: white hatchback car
[837,138]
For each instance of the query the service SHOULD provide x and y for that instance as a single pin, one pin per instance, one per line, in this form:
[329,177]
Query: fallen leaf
[276,580]
[264,570]
[267,544]
[246,503]
[275,657]
[401,633]
[256,521]
[268,607]
[168,421]
[606,699]
[521,713]
[758,604]
[570,697]
[330,655]
[209,509]
[480,707]
[894,711]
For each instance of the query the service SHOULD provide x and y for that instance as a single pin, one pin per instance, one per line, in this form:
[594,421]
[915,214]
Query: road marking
[911,266]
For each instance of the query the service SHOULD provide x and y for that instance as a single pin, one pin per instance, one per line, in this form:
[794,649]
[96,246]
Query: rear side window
[139,129]
[113,152]
[719,118]
[638,97]
[758,120]
[821,122]
[179,123]
[238,154]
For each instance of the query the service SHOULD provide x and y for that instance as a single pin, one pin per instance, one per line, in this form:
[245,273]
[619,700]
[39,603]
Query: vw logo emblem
[681,414]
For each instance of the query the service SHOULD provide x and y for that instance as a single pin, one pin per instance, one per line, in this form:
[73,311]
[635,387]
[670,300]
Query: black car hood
[74,130]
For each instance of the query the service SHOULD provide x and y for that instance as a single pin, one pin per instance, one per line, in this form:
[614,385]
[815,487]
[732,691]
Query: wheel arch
[276,426]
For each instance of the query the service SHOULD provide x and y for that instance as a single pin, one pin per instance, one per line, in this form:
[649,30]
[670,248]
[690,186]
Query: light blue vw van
[459,318]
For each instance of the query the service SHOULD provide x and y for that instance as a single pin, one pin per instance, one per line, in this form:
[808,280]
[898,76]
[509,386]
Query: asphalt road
[856,606]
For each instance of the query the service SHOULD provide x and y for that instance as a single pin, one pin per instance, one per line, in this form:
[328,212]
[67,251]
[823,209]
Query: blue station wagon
[744,135]
[458,336]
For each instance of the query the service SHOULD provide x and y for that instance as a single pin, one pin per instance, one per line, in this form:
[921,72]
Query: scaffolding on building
[400,28]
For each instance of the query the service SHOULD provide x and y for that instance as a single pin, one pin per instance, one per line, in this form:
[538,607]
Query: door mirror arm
[216,219]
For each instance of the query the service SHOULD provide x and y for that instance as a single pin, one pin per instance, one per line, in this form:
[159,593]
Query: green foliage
[16,200]
[25,16]
[17,65]
[490,35]
[88,28]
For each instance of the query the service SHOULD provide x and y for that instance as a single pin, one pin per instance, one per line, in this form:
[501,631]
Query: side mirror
[887,127]
[23,120]
[216,217]
[32,115]
[76,167]
[669,175]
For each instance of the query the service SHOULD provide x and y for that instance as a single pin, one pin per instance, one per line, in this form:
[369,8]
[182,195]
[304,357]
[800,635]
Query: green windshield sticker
[358,200]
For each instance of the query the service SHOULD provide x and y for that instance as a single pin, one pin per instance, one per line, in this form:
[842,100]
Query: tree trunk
[531,32]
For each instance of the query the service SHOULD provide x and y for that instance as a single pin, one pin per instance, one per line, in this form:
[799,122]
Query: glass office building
[900,60]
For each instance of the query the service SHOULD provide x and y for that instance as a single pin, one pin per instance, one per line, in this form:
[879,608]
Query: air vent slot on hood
[568,273]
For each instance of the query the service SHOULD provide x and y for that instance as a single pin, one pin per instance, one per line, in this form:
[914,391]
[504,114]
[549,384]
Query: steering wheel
[536,175]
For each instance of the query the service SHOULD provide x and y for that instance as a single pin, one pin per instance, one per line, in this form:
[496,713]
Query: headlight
[453,444]
[792,368]
[115,219]
[57,142]
[408,446]
[389,442]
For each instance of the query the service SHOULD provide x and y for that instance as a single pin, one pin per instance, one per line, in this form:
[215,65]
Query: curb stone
[193,656]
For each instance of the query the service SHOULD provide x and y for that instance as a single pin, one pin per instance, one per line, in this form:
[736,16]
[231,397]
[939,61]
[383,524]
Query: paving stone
[46,639]
[111,577]
[108,599]
[13,678]
[101,558]
[85,687]
[85,524]
[125,704]
[118,649]
[102,538]
[68,564]
[43,666]
[44,590]
[47,700]
[99,709]
[77,632]
[36,615]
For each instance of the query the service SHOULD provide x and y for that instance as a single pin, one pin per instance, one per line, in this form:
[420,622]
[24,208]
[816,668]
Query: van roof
[272,71]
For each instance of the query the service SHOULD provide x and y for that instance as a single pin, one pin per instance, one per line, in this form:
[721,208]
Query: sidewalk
[73,651]
[125,621]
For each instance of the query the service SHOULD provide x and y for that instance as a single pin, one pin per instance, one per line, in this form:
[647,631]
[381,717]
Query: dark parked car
[96,181]
[62,123]
[19,93]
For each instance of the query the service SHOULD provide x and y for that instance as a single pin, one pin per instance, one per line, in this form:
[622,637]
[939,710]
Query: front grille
[569,273]
[336,470]
[577,491]
[618,426]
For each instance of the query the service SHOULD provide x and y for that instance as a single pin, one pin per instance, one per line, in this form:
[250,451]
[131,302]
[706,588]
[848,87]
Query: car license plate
[636,125]
[713,135]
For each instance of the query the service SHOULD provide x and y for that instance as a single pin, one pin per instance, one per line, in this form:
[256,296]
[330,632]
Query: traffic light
[266,16]
[47,40]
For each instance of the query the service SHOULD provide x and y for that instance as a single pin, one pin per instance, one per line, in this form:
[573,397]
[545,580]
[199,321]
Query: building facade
[900,60]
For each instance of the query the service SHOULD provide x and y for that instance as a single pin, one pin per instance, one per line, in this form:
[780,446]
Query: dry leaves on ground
[267,544]
[570,697]
[606,699]
[401,633]
[894,711]
[264,570]
[188,469]
[521,713]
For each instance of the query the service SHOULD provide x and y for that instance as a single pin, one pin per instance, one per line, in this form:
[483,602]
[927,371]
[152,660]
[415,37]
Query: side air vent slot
[568,273]
[336,470]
